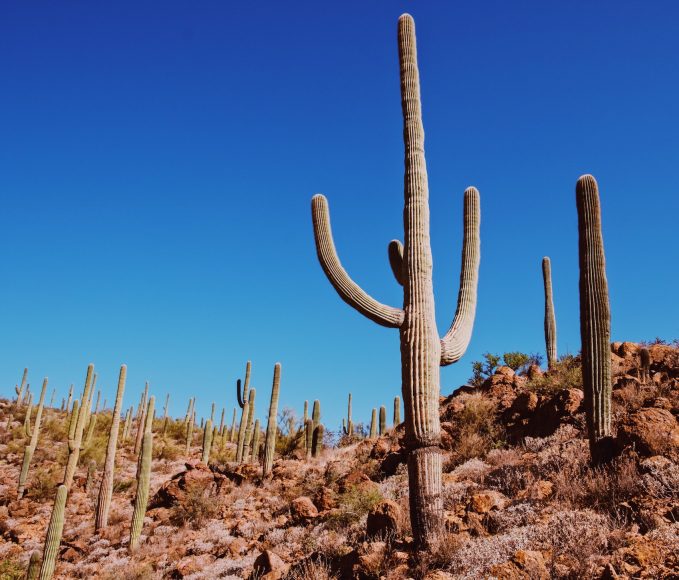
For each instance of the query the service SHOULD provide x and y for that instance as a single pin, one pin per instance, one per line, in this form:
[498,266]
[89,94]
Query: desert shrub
[520,361]
[54,428]
[43,482]
[167,450]
[175,430]
[566,373]
[316,568]
[478,429]
[354,504]
[195,509]
[122,485]
[11,570]
[481,370]
[96,450]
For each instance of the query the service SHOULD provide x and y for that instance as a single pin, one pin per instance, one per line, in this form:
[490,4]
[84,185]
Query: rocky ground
[521,500]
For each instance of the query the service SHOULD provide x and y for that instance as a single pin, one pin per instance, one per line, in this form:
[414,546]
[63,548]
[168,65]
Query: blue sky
[157,163]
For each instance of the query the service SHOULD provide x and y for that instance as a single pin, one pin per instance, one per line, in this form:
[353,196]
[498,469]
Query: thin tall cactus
[309,437]
[242,397]
[595,320]
[27,416]
[550,319]
[93,422]
[383,420]
[207,442]
[54,532]
[141,420]
[221,423]
[397,411]
[247,444]
[348,427]
[271,425]
[75,439]
[70,399]
[142,496]
[254,454]
[373,424]
[232,432]
[20,391]
[165,417]
[30,448]
[305,418]
[106,487]
[189,432]
[317,441]
[33,567]
[422,352]
[126,426]
[316,413]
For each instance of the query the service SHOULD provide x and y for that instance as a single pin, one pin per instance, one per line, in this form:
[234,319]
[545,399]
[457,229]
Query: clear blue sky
[157,162]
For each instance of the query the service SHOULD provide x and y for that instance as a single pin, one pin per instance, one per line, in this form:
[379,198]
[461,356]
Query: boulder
[303,510]
[383,519]
[485,501]
[560,409]
[269,566]
[525,565]
[652,431]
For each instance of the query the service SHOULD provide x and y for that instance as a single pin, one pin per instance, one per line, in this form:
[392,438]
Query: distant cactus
[106,486]
[309,437]
[242,397]
[232,432]
[271,425]
[142,496]
[33,567]
[348,427]
[30,448]
[316,414]
[53,537]
[550,319]
[317,441]
[247,445]
[373,424]
[254,454]
[207,442]
[70,399]
[397,411]
[126,426]
[221,423]
[189,432]
[91,471]
[148,426]
[188,413]
[20,391]
[422,352]
[645,369]
[305,418]
[165,417]
[141,420]
[383,420]
[595,321]
[75,441]
[27,416]
[93,422]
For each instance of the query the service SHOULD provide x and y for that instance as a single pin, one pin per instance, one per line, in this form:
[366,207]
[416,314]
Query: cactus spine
[30,448]
[422,352]
[207,442]
[254,455]
[142,496]
[397,411]
[54,531]
[595,320]
[550,319]
[75,441]
[106,486]
[373,424]
[245,410]
[271,428]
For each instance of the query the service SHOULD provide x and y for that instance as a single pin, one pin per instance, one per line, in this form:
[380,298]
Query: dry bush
[478,429]
[439,557]
[43,482]
[312,569]
[354,505]
[196,508]
[12,570]
[167,450]
[96,450]
[565,374]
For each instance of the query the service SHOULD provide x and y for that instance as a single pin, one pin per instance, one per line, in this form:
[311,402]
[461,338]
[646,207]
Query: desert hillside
[521,499]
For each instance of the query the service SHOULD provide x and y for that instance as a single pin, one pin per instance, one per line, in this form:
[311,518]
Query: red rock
[484,501]
[325,499]
[269,566]
[384,519]
[303,509]
[652,431]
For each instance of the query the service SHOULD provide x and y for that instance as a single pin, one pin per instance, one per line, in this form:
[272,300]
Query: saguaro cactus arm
[455,342]
[243,395]
[550,319]
[348,290]
[395,251]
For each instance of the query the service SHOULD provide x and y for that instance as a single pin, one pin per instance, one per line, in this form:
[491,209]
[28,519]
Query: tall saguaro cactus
[247,442]
[550,319]
[595,320]
[271,428]
[397,411]
[242,397]
[373,424]
[383,420]
[142,496]
[54,532]
[349,429]
[106,487]
[20,391]
[30,448]
[207,442]
[422,352]
[75,437]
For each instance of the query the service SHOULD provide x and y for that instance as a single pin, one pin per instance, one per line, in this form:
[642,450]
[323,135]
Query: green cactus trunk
[106,486]
[33,444]
[316,413]
[207,442]
[75,438]
[54,532]
[309,438]
[141,422]
[20,391]
[27,417]
[126,426]
[70,399]
[550,319]
[33,567]
[254,454]
[232,433]
[595,321]
[165,417]
[383,420]
[247,445]
[305,418]
[271,425]
[221,423]
[148,427]
[243,398]
[422,351]
[142,496]
[397,411]
[373,424]
[317,442]
[189,433]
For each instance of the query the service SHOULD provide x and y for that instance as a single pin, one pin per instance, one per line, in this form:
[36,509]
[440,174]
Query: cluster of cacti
[54,532]
[142,496]
[76,427]
[29,450]
[595,320]
[106,486]
[271,425]
[348,425]
[645,367]
[550,319]
[397,411]
[422,352]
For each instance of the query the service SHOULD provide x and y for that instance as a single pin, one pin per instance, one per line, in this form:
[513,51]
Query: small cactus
[271,427]
[33,567]
[232,433]
[397,411]
[54,532]
[126,426]
[142,496]
[54,392]
[383,420]
[309,437]
[31,447]
[254,455]
[165,417]
[373,424]
[550,319]
[106,486]
[20,391]
[595,321]
[75,441]
[317,442]
[91,471]
[70,398]
[207,442]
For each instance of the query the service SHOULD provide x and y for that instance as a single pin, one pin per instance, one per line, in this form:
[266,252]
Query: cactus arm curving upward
[243,397]
[395,250]
[595,320]
[550,319]
[106,486]
[455,342]
[348,290]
